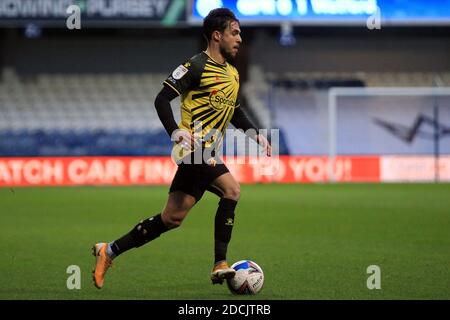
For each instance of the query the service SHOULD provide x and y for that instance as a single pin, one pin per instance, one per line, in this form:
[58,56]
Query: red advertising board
[70,171]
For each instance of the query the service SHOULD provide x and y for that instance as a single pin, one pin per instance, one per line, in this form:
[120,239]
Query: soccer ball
[249,278]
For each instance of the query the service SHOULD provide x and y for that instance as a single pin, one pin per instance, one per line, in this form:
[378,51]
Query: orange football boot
[103,262]
[221,271]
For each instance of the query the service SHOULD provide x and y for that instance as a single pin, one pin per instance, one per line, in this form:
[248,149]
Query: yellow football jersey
[209,95]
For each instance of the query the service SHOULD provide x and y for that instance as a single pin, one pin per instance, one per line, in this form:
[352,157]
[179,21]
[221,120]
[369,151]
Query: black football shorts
[195,179]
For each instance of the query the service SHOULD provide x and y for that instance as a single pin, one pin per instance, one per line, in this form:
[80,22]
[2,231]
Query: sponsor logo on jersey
[218,100]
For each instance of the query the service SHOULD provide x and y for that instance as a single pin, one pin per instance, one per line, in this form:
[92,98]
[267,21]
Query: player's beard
[227,54]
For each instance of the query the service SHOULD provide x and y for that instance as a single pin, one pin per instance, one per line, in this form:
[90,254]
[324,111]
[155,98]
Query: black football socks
[150,229]
[145,231]
[223,226]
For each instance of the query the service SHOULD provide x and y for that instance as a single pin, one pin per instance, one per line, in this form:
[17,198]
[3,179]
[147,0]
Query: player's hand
[263,142]
[185,139]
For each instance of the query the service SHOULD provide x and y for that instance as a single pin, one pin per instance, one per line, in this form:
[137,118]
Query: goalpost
[408,129]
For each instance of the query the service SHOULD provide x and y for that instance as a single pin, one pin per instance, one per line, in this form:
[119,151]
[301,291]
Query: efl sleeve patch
[185,77]
[179,72]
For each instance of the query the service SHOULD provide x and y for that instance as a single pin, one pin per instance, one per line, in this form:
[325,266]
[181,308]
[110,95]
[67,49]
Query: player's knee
[180,206]
[232,193]
[173,223]
[173,220]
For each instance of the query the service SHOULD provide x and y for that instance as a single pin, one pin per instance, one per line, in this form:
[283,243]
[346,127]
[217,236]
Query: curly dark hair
[217,20]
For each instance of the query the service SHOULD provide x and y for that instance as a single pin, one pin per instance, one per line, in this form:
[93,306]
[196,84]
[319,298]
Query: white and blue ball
[249,278]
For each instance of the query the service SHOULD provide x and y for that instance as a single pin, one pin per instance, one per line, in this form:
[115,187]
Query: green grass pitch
[312,241]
